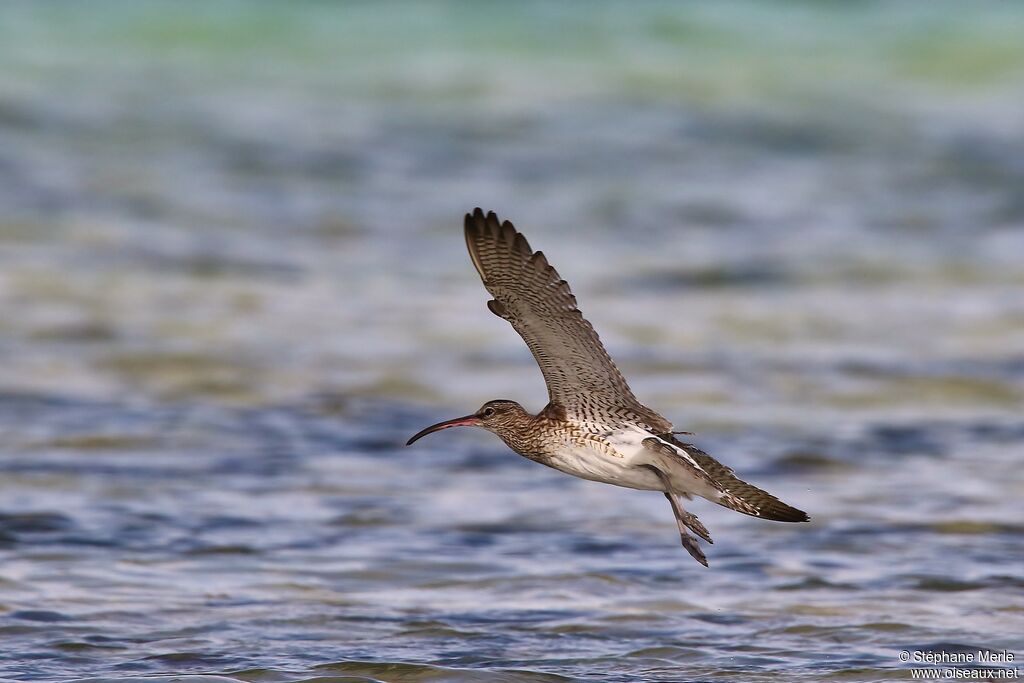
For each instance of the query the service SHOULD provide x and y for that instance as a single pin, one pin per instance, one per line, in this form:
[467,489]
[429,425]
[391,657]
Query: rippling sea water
[233,283]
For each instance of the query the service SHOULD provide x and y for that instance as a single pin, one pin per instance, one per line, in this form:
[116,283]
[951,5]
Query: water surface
[233,284]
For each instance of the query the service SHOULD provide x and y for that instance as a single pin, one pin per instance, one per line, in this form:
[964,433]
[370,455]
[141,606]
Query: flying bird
[593,427]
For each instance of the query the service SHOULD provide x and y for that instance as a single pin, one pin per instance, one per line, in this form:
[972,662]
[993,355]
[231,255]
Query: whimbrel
[593,426]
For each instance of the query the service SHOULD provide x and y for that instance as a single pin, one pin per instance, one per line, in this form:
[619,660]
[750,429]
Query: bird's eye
[488,412]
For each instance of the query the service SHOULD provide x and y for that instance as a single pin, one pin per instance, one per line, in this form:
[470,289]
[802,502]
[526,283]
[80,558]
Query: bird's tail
[737,494]
[750,500]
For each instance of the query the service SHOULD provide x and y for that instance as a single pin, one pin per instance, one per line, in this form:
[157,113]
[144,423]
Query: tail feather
[739,495]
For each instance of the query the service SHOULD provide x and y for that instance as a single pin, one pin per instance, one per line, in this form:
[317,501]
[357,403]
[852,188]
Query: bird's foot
[690,543]
[690,521]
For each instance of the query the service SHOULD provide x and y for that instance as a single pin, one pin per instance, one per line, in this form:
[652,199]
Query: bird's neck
[524,433]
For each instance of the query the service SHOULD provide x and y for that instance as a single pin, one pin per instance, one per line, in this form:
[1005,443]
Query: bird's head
[495,416]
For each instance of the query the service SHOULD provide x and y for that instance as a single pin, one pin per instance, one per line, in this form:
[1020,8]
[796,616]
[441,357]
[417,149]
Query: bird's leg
[685,520]
[688,541]
[688,519]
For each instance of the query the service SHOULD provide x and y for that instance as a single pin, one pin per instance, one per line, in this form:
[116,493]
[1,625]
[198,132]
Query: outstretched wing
[528,293]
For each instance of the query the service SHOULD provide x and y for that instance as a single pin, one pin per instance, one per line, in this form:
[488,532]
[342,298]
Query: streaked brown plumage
[593,426]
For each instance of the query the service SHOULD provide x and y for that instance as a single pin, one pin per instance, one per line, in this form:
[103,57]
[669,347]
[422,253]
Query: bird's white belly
[607,463]
[620,457]
[597,464]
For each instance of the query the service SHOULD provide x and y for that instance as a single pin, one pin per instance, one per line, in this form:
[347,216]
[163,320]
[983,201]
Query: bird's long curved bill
[467,421]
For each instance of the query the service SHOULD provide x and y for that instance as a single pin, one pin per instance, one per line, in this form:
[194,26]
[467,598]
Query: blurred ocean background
[233,282]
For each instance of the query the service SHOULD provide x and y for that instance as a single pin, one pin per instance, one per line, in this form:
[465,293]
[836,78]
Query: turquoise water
[233,285]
